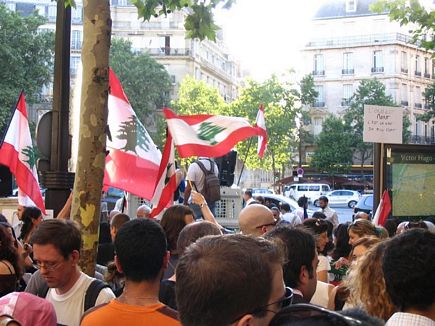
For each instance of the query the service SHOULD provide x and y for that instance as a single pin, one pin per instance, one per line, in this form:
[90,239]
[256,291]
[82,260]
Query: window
[350,5]
[404,94]
[347,94]
[314,188]
[41,10]
[378,62]
[319,69]
[74,65]
[418,97]
[417,65]
[77,14]
[318,121]
[320,100]
[52,13]
[10,6]
[173,79]
[426,68]
[347,64]
[404,62]
[76,40]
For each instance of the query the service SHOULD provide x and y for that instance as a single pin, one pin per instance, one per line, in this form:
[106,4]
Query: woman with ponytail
[31,218]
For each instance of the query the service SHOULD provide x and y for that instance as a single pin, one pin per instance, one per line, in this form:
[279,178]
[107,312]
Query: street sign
[383,124]
[300,172]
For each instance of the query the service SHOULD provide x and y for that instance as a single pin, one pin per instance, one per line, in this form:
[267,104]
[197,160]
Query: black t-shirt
[167,293]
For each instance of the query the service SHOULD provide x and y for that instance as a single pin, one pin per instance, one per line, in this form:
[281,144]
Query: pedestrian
[331,215]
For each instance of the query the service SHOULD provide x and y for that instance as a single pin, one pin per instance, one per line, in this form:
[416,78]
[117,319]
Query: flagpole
[244,161]
[3,136]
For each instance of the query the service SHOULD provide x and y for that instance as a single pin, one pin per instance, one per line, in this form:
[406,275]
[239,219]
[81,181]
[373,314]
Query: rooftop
[333,9]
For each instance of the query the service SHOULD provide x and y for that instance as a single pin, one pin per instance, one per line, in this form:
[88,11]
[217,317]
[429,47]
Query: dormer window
[351,5]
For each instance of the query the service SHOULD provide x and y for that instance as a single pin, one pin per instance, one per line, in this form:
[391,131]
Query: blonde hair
[366,284]
[366,242]
[363,228]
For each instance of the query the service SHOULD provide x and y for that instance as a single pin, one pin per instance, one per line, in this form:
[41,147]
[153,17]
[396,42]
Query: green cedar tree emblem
[29,152]
[135,134]
[208,132]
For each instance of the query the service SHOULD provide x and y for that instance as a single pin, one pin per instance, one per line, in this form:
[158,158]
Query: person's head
[256,219]
[260,199]
[285,208]
[56,250]
[3,218]
[8,251]
[141,254]
[115,224]
[276,213]
[143,211]
[319,215]
[303,202]
[362,245]
[391,226]
[301,261]
[409,267]
[174,219]
[195,231]
[362,216]
[236,279]
[112,214]
[247,194]
[20,210]
[31,218]
[320,229]
[323,201]
[361,228]
[341,241]
[368,270]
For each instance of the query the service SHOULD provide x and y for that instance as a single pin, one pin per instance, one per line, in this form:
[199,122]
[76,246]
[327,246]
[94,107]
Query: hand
[341,262]
[198,199]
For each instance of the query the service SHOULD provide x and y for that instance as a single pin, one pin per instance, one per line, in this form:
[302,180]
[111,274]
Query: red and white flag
[167,180]
[133,160]
[383,210]
[208,135]
[262,139]
[18,154]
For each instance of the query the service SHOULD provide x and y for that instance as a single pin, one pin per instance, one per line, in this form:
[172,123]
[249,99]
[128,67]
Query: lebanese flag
[383,210]
[167,181]
[17,153]
[207,135]
[133,160]
[261,124]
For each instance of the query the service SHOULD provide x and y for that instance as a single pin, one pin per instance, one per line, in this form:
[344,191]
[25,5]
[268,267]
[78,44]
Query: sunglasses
[285,301]
[303,311]
[268,224]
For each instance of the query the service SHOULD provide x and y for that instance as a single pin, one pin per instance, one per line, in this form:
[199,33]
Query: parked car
[261,191]
[278,199]
[342,197]
[365,204]
[310,190]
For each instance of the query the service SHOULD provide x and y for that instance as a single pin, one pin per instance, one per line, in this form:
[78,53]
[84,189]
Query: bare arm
[199,199]
[66,210]
[187,192]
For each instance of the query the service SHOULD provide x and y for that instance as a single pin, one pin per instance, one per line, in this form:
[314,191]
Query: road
[344,213]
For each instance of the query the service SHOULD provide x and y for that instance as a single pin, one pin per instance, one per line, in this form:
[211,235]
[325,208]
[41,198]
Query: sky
[268,38]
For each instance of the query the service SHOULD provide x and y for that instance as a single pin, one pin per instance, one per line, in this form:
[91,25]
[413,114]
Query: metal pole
[243,163]
[377,174]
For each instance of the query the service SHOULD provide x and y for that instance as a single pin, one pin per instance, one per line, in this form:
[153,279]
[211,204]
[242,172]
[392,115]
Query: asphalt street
[344,213]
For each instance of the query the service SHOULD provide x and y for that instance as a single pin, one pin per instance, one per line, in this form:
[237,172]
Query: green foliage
[429,98]
[26,59]
[199,22]
[70,3]
[411,11]
[145,81]
[332,153]
[308,92]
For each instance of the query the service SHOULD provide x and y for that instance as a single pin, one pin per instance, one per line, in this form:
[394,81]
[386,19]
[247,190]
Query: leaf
[70,3]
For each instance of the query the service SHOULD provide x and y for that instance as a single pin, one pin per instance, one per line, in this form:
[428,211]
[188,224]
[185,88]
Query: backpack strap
[202,167]
[93,292]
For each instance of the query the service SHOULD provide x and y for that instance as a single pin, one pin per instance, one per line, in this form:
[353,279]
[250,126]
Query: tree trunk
[93,120]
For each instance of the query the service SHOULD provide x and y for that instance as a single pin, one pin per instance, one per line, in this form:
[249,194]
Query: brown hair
[62,234]
[8,251]
[230,275]
[363,228]
[118,220]
[173,221]
[195,231]
[366,284]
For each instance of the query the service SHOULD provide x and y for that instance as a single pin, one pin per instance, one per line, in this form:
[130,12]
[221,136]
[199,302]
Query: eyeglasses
[285,301]
[268,224]
[302,311]
[49,266]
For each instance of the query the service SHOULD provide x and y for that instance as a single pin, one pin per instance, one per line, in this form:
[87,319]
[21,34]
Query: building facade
[349,43]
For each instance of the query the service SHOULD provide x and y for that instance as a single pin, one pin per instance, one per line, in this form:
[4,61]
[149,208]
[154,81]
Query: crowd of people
[279,268]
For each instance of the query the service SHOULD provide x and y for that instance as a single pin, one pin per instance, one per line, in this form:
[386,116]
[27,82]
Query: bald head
[362,216]
[256,219]
[143,211]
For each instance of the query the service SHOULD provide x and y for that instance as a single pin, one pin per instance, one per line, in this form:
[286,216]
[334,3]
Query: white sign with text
[383,124]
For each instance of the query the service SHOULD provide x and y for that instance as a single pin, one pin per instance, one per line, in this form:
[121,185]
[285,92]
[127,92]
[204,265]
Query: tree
[429,98]
[332,154]
[411,11]
[26,58]
[372,92]
[145,81]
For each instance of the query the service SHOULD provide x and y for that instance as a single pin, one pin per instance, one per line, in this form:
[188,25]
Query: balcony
[422,140]
[404,70]
[318,72]
[345,102]
[418,105]
[347,71]
[168,51]
[426,75]
[377,70]
[417,73]
[404,103]
[318,104]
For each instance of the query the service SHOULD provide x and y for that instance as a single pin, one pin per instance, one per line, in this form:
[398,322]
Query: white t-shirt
[323,264]
[321,296]
[69,307]
[196,175]
[291,218]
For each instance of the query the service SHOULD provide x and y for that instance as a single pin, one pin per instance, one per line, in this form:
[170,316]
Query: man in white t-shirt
[288,216]
[330,214]
[197,181]
[56,250]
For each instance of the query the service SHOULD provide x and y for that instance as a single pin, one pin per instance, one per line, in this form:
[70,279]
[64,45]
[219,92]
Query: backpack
[212,187]
[91,295]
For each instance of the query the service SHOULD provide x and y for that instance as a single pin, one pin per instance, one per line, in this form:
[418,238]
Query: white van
[310,190]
